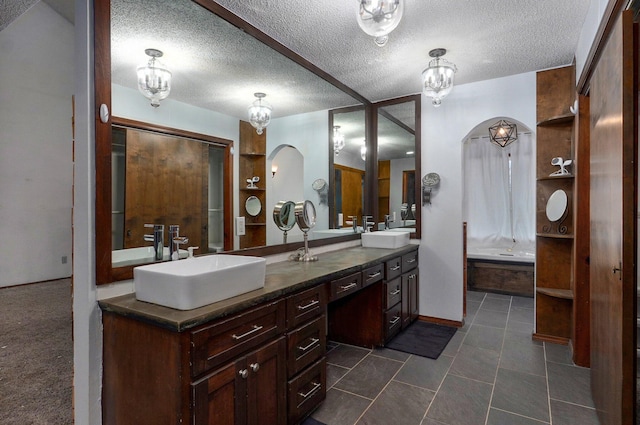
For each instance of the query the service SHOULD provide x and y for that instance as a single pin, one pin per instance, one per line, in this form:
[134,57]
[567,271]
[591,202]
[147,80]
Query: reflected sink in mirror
[140,255]
[385,239]
[327,233]
[196,282]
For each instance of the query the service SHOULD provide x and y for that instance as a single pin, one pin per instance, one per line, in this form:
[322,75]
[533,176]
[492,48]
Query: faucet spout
[157,238]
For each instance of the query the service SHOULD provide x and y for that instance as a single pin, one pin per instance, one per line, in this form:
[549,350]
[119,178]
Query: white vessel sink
[385,239]
[195,282]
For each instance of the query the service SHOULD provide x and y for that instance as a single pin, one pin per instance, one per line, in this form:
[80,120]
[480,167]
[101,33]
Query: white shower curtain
[486,204]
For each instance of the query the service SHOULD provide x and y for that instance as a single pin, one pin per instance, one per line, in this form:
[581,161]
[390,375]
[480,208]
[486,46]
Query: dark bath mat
[311,421]
[423,339]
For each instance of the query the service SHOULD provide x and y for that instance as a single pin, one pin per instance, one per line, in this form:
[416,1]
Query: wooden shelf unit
[384,188]
[253,162]
[554,240]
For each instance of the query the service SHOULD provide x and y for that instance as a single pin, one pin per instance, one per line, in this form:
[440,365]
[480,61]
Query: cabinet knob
[243,373]
[255,367]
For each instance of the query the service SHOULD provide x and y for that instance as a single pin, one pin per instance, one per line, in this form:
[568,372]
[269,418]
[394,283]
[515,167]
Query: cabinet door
[220,398]
[413,295]
[406,300]
[267,384]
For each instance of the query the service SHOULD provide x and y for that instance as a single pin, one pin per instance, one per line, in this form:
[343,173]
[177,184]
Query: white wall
[443,129]
[36,88]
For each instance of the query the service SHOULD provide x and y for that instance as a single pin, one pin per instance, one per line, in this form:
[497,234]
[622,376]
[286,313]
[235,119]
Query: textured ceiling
[215,68]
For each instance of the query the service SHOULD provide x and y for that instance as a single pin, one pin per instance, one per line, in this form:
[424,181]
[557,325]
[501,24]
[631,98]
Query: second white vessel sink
[385,239]
[196,282]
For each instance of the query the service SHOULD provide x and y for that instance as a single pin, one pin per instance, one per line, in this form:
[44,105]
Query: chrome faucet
[387,221]
[174,232]
[179,240]
[354,223]
[157,238]
[366,224]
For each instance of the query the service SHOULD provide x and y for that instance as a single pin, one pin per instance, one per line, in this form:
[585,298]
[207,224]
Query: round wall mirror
[305,215]
[253,206]
[284,215]
[557,205]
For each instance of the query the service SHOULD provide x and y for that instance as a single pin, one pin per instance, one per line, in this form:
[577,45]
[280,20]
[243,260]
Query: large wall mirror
[217,62]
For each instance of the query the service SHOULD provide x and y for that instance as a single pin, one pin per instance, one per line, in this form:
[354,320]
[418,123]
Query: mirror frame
[105,272]
[416,98]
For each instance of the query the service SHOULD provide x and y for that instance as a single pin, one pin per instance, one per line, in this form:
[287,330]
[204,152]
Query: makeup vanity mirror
[284,217]
[206,101]
[557,205]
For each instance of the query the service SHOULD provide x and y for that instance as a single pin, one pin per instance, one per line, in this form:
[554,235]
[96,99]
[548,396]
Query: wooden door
[220,399]
[166,183]
[267,384]
[351,181]
[613,227]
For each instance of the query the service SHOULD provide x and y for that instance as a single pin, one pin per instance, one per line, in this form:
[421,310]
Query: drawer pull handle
[306,306]
[243,373]
[396,292]
[255,329]
[393,269]
[255,367]
[394,321]
[349,286]
[376,274]
[412,276]
[411,260]
[313,342]
[312,391]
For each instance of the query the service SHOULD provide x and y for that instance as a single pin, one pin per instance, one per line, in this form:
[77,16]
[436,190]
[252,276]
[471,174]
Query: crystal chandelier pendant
[379,17]
[338,140]
[154,79]
[259,113]
[437,79]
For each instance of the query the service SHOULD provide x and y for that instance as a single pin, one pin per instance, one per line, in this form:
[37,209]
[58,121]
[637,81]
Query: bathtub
[505,269]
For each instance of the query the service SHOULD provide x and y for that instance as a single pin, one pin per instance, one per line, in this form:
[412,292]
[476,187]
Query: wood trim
[102,78]
[548,338]
[228,198]
[235,20]
[170,131]
[609,18]
[444,322]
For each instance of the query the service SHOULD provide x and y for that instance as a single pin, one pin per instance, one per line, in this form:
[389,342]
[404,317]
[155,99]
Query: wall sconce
[437,79]
[503,133]
[154,79]
[430,181]
[379,17]
[338,140]
[274,170]
[259,113]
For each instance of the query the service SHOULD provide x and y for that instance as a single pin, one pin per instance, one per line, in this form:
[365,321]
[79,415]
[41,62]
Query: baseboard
[550,338]
[439,321]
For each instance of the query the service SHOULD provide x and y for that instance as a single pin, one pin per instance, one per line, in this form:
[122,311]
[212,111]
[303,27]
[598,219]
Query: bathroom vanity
[257,358]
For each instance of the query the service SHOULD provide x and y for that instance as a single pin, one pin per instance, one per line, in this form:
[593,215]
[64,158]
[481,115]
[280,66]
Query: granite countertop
[281,279]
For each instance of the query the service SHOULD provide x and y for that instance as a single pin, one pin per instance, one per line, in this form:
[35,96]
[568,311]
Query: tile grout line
[451,364]
[546,378]
[495,379]
[383,388]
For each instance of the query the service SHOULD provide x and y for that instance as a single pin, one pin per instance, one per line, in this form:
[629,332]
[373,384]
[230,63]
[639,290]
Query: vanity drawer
[393,268]
[372,274]
[393,321]
[306,344]
[307,391]
[227,339]
[345,286]
[392,292]
[409,261]
[305,305]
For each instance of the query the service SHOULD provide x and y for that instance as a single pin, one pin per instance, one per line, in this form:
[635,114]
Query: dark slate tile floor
[491,373]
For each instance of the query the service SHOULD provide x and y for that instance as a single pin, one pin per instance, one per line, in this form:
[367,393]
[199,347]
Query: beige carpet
[36,354]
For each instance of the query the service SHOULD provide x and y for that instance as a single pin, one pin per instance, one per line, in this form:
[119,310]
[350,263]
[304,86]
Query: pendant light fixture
[259,113]
[379,17]
[437,79]
[503,133]
[154,79]
[338,139]
[363,150]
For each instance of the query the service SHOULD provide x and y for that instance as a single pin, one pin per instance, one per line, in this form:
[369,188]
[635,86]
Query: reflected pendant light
[379,17]
[437,79]
[259,113]
[338,139]
[503,133]
[363,151]
[154,79]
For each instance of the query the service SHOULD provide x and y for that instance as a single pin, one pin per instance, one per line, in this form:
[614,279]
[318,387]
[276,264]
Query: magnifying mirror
[305,213]
[284,217]
[253,206]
